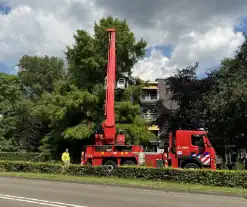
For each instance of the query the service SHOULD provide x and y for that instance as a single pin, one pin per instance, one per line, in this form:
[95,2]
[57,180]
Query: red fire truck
[184,148]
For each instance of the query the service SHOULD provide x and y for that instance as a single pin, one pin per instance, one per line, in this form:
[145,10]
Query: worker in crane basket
[66,159]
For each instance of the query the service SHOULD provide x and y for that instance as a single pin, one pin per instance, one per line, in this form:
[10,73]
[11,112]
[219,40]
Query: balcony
[149,116]
[151,85]
[154,128]
[149,99]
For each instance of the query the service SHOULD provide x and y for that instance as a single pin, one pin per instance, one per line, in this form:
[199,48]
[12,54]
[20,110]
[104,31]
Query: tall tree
[30,129]
[10,98]
[227,101]
[68,111]
[88,57]
[38,74]
[189,91]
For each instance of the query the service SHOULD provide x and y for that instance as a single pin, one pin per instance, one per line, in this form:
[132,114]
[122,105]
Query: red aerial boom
[108,133]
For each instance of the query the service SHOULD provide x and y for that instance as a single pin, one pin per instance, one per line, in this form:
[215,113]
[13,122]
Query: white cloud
[206,48]
[153,67]
[199,30]
[43,28]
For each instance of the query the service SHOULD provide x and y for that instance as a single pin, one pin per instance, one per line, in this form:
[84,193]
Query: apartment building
[148,101]
[152,92]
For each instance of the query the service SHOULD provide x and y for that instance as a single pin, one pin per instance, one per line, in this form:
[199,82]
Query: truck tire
[111,165]
[129,162]
[192,166]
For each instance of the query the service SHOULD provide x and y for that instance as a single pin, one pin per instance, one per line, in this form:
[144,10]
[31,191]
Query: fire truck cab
[185,149]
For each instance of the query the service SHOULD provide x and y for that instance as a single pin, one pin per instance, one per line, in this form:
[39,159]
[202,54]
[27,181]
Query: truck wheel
[191,166]
[129,162]
[111,165]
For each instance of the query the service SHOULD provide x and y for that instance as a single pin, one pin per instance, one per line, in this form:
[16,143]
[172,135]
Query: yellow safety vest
[65,156]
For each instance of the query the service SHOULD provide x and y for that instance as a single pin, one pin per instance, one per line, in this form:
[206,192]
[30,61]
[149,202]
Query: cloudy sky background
[179,32]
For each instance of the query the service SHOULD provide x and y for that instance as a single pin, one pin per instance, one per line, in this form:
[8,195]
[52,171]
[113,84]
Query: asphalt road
[32,193]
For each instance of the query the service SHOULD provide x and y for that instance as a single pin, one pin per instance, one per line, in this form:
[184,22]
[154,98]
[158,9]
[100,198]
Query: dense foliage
[10,99]
[48,106]
[221,178]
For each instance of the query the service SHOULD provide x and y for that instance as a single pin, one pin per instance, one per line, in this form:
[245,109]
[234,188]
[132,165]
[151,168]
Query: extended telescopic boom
[109,126]
[108,136]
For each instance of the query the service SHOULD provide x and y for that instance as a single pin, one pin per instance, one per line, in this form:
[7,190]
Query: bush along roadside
[24,156]
[223,178]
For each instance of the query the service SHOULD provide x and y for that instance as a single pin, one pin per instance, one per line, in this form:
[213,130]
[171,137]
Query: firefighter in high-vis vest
[66,158]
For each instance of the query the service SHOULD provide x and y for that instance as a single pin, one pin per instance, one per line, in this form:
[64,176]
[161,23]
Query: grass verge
[144,184]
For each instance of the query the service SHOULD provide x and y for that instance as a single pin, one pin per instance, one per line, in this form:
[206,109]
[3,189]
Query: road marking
[37,201]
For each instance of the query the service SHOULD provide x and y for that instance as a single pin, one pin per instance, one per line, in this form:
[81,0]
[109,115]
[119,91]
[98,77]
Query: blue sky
[242,27]
[166,50]
[4,8]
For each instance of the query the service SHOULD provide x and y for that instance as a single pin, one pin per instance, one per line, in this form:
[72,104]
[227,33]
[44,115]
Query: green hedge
[237,179]
[25,156]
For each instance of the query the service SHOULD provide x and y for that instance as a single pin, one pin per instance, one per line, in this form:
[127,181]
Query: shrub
[224,178]
[25,156]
